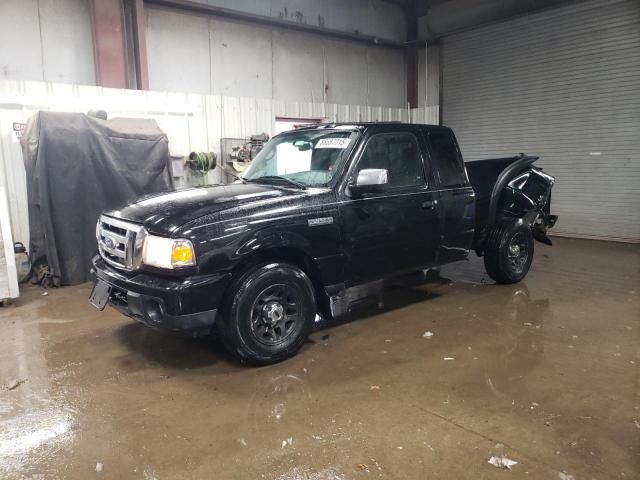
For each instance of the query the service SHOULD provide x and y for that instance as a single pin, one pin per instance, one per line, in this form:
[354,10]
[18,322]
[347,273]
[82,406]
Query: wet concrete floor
[544,372]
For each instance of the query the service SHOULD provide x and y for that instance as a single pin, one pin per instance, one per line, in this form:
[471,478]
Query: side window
[399,154]
[446,158]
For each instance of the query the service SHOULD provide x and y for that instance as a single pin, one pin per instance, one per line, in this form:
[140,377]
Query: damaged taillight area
[531,189]
[528,196]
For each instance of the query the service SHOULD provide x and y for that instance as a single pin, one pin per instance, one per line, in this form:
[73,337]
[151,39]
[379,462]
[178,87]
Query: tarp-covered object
[78,166]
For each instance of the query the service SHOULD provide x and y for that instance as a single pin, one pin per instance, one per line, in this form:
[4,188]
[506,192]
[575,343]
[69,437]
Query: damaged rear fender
[523,192]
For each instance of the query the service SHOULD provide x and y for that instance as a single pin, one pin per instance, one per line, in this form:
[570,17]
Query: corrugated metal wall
[563,84]
[192,122]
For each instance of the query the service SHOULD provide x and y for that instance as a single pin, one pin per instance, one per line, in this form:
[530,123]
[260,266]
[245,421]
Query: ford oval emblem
[109,242]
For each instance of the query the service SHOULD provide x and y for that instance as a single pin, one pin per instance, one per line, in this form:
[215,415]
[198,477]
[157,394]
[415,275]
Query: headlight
[167,252]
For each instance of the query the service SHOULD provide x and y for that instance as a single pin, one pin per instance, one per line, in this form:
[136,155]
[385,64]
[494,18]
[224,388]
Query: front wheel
[270,314]
[508,251]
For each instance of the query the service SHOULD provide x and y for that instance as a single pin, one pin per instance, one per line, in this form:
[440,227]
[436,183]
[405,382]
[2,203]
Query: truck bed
[483,175]
[497,196]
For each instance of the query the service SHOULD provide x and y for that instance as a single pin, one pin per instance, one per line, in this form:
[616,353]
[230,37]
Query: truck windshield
[306,158]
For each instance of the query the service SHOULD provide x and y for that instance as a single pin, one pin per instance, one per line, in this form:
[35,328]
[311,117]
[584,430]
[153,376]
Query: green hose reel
[202,162]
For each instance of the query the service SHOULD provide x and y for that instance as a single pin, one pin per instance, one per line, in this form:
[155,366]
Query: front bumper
[188,305]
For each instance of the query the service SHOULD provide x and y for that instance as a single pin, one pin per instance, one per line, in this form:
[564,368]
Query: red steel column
[412,53]
[140,45]
[109,43]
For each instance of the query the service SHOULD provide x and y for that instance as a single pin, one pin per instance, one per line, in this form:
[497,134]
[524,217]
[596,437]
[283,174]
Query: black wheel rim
[275,314]
[518,253]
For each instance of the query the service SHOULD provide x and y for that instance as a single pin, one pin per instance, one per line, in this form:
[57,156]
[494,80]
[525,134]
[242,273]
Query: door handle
[429,204]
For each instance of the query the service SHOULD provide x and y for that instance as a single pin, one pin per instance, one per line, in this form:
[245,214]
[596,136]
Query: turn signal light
[182,254]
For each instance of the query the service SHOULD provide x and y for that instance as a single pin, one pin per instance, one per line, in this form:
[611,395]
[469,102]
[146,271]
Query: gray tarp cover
[76,167]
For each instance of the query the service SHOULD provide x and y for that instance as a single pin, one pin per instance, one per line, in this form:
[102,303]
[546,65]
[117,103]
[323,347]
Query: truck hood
[166,212]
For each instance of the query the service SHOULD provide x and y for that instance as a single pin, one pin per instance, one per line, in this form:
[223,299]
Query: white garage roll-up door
[563,84]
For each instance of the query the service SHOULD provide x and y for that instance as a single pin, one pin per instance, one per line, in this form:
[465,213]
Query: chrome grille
[120,243]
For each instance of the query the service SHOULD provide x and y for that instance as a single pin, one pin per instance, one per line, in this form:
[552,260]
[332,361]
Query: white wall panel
[563,84]
[268,63]
[386,77]
[8,274]
[67,42]
[178,52]
[46,40]
[298,66]
[19,21]
[241,58]
[12,175]
[346,72]
[192,122]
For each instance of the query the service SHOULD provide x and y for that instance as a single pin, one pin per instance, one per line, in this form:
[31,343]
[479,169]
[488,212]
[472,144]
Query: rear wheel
[270,314]
[508,251]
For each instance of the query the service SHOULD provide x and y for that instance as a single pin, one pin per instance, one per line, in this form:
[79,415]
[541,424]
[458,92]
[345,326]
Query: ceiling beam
[453,16]
[216,11]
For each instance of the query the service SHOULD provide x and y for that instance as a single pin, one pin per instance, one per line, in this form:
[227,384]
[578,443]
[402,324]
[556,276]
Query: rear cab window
[446,158]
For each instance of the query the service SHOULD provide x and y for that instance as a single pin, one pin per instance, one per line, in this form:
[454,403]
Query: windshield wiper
[237,177]
[271,178]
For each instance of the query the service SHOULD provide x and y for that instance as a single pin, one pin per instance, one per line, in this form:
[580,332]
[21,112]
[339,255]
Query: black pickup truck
[321,210]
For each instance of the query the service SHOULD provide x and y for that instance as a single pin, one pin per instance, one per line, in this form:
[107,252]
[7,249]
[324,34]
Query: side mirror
[370,180]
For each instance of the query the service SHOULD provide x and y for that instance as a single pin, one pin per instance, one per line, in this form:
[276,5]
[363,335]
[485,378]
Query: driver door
[397,230]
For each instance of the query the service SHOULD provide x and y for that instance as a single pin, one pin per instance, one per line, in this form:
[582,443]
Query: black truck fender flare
[283,246]
[523,162]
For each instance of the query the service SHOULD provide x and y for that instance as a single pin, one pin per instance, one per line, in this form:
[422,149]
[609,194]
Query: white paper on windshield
[335,142]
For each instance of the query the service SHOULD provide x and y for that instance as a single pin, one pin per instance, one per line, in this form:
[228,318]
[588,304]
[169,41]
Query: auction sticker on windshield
[334,142]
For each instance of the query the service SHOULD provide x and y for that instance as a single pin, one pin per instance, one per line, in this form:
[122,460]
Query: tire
[269,315]
[508,251]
